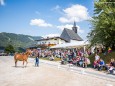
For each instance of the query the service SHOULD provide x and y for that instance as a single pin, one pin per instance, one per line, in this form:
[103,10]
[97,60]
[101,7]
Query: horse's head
[28,52]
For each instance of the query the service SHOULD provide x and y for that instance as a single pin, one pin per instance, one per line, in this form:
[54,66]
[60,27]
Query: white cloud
[2,2]
[75,12]
[51,35]
[69,26]
[40,23]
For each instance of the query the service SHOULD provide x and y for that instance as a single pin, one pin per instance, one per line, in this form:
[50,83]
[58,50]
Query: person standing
[37,60]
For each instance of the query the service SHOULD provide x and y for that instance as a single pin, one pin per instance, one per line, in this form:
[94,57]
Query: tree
[9,49]
[103,23]
[20,50]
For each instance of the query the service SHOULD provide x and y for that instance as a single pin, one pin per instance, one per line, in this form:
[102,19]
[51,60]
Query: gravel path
[49,74]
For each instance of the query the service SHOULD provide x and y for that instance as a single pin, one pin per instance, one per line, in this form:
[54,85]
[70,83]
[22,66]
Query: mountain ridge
[17,40]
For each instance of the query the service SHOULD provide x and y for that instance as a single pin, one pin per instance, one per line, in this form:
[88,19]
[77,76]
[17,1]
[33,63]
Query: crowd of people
[100,64]
[77,57]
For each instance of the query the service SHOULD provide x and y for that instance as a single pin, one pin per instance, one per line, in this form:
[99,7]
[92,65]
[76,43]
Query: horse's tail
[15,56]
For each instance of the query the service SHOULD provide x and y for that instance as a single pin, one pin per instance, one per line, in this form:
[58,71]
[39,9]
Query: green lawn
[106,57]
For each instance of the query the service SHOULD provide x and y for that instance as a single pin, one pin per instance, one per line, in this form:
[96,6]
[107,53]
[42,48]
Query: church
[67,36]
[71,35]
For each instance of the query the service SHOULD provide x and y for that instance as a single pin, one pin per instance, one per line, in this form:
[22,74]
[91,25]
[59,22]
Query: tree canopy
[103,24]
[9,49]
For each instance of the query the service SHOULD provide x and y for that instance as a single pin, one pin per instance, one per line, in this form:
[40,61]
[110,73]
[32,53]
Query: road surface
[49,74]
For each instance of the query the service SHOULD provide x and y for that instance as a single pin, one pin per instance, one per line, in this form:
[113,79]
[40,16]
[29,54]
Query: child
[109,50]
[37,60]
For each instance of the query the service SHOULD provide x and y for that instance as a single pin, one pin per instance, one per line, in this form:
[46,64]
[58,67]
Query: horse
[22,57]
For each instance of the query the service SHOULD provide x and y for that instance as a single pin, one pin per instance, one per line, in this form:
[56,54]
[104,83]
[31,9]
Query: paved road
[88,71]
[48,74]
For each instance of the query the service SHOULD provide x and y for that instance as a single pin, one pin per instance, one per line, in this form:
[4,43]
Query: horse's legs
[26,63]
[15,63]
[23,63]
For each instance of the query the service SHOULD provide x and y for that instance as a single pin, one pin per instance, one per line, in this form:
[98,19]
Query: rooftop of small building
[48,38]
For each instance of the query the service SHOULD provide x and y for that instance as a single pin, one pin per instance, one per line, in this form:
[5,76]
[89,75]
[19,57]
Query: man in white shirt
[97,57]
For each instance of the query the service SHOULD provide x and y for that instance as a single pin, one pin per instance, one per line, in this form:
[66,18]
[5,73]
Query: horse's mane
[28,52]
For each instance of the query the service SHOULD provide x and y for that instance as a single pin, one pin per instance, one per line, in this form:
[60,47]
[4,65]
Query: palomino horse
[22,57]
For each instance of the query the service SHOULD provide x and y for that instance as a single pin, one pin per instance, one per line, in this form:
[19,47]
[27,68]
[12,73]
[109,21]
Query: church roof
[68,35]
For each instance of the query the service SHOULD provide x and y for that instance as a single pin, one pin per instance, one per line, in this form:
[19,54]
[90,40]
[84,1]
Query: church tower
[74,28]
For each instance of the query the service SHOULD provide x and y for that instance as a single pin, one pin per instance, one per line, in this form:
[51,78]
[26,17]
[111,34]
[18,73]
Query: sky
[45,17]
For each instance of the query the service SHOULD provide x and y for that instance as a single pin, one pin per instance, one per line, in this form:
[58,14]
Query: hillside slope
[17,40]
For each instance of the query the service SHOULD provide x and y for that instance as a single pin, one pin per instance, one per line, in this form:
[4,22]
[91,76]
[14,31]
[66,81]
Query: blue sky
[45,17]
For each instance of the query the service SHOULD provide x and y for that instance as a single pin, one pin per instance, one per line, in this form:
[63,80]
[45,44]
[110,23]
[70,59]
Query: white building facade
[51,41]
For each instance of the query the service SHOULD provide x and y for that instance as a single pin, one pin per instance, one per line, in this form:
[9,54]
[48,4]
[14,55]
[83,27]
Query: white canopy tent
[71,44]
